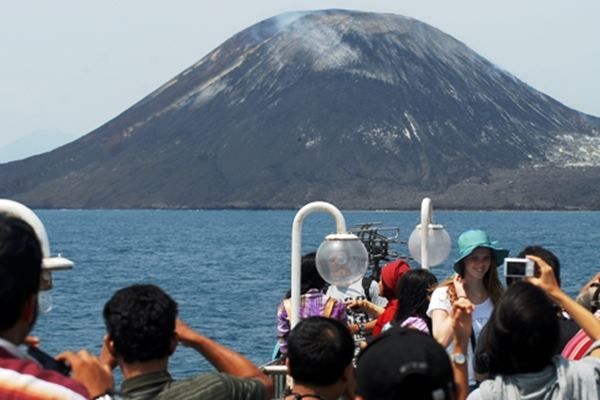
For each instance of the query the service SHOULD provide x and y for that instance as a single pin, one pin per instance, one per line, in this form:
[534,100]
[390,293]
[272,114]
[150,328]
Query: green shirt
[214,386]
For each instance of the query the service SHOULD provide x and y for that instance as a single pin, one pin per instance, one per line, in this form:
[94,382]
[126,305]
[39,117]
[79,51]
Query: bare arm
[221,357]
[443,330]
[442,326]
[368,326]
[462,326]
[366,305]
[583,317]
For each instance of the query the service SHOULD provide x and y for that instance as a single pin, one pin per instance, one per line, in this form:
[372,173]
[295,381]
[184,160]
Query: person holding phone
[22,376]
[477,280]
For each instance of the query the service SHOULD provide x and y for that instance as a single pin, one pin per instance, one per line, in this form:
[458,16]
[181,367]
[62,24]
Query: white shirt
[480,316]
[356,291]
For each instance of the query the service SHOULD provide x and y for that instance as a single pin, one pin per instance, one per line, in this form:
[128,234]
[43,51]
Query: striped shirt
[312,304]
[24,379]
[215,386]
[579,345]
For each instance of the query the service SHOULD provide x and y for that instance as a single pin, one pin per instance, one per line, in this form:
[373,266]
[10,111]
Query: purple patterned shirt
[312,304]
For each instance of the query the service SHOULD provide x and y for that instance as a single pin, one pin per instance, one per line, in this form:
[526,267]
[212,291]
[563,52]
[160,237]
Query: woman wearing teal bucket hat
[476,279]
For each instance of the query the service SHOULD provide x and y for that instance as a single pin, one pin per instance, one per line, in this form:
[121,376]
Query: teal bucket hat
[469,240]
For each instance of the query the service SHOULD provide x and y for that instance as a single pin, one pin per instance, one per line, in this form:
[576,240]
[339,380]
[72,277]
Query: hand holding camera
[546,280]
[519,267]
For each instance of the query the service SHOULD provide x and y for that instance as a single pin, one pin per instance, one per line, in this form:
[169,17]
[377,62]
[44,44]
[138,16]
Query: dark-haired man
[319,358]
[143,331]
[22,377]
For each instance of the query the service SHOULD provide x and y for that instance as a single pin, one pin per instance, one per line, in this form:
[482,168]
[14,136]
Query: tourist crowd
[403,336]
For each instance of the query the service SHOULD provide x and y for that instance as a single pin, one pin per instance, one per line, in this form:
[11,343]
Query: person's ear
[174,342]
[109,345]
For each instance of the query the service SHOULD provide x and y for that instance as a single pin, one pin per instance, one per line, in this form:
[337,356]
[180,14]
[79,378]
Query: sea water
[228,270]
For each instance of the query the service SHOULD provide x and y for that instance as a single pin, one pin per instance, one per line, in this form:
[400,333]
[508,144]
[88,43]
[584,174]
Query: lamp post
[341,259]
[429,243]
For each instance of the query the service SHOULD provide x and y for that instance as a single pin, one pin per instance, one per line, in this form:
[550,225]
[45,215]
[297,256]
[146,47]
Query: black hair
[522,333]
[20,267]
[310,277]
[140,320]
[545,255]
[413,291]
[319,350]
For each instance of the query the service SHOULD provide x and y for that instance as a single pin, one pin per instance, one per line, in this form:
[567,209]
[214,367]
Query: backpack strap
[366,284]
[328,309]
[287,305]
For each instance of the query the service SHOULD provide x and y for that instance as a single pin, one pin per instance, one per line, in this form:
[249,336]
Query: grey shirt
[562,379]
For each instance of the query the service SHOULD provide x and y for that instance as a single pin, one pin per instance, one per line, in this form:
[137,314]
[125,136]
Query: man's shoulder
[31,379]
[215,386]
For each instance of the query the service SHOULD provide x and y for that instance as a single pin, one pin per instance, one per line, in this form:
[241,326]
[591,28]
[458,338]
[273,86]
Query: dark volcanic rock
[364,110]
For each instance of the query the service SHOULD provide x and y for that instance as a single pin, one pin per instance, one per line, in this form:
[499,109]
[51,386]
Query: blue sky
[68,66]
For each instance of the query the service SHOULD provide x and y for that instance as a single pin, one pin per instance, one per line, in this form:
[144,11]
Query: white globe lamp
[342,259]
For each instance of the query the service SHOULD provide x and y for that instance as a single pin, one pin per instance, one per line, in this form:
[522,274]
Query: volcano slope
[363,110]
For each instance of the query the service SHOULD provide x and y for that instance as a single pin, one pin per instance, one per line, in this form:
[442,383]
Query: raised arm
[462,326]
[442,326]
[440,307]
[583,317]
[221,357]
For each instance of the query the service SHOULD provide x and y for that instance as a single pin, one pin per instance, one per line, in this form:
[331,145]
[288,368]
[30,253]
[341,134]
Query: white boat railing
[278,374]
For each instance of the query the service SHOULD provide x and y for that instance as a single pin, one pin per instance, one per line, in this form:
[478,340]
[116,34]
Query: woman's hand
[460,286]
[547,280]
[354,304]
[461,318]
[365,305]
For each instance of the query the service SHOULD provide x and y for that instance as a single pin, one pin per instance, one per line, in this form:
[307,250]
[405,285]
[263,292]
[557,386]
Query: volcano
[360,109]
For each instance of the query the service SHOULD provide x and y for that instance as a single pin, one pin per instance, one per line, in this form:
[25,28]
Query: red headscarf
[390,275]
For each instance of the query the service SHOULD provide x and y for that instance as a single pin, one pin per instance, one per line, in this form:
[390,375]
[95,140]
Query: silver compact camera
[518,267]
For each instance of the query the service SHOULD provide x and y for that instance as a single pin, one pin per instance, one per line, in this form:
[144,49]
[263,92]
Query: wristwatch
[458,358]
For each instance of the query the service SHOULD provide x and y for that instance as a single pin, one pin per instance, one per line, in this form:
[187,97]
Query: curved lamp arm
[426,212]
[316,206]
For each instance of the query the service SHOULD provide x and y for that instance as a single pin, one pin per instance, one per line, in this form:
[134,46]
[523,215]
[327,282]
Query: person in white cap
[21,376]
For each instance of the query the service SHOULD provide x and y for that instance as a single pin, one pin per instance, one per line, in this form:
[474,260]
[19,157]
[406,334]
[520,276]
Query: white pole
[425,221]
[297,247]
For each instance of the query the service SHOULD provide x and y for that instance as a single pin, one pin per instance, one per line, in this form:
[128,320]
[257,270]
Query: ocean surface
[228,270]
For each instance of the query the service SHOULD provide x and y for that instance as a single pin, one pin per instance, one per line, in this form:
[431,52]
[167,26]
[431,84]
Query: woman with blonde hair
[477,280]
